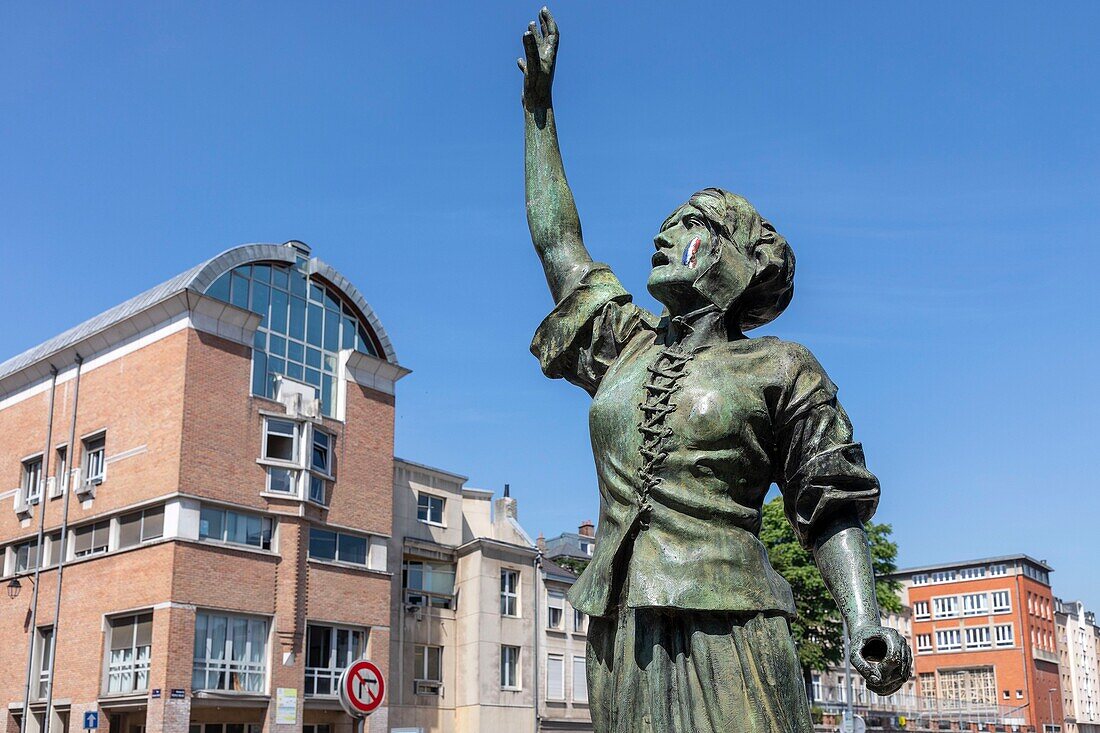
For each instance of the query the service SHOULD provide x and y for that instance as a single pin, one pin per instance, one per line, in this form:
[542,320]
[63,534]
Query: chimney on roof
[541,543]
[587,529]
[507,490]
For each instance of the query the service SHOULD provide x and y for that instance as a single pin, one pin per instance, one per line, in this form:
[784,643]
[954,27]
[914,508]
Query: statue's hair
[734,220]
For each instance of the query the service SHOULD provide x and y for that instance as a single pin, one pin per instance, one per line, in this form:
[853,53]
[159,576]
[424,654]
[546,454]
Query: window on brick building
[237,528]
[32,480]
[975,604]
[924,643]
[429,584]
[429,508]
[978,637]
[137,527]
[920,610]
[304,326]
[230,652]
[1002,601]
[26,556]
[61,473]
[320,466]
[1002,634]
[945,607]
[94,469]
[325,544]
[948,640]
[43,648]
[91,539]
[329,649]
[129,651]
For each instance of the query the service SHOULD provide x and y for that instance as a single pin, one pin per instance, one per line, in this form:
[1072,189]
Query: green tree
[576,564]
[818,629]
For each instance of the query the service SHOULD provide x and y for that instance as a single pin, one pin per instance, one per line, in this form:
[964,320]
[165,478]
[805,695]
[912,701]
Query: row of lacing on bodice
[665,375]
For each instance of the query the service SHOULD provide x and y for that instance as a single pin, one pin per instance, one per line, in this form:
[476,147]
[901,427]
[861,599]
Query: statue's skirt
[665,670]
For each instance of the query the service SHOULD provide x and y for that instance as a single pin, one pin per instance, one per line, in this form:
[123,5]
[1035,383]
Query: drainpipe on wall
[38,564]
[70,490]
[538,661]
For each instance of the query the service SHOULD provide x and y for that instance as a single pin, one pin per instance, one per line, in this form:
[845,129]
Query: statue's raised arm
[551,211]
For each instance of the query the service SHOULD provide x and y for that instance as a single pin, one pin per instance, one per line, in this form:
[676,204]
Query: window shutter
[555,678]
[580,680]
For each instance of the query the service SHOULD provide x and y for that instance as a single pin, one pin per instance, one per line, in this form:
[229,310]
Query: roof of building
[433,469]
[567,544]
[979,561]
[557,572]
[197,280]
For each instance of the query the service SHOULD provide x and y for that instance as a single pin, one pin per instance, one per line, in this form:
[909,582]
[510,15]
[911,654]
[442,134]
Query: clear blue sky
[934,165]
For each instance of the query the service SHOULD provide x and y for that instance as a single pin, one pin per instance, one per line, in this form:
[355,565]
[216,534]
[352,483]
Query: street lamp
[1050,704]
[13,588]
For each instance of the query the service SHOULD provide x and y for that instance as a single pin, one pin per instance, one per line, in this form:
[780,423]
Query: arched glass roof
[305,323]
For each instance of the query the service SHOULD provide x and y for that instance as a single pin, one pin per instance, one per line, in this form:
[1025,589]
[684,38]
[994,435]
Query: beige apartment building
[1079,651]
[482,639]
[197,508]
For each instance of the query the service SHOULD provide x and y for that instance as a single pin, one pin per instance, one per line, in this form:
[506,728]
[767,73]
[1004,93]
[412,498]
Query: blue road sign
[91,721]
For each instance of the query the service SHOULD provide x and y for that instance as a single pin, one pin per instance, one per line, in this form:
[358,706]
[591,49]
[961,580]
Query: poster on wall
[286,706]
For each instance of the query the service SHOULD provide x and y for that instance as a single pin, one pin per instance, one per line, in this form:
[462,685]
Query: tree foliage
[575,564]
[818,630]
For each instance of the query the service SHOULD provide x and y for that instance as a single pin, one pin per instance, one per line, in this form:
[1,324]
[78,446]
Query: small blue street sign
[91,721]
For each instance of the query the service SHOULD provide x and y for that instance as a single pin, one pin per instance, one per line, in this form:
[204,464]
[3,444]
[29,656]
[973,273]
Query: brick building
[219,506]
[985,645]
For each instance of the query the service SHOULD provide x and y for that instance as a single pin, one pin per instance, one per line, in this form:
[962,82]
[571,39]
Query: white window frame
[143,534]
[336,538]
[998,594]
[580,621]
[31,479]
[1002,639]
[555,677]
[93,461]
[267,524]
[429,505]
[510,667]
[978,637]
[61,471]
[43,641]
[330,673]
[975,604]
[422,673]
[509,596]
[136,663]
[31,545]
[103,525]
[225,664]
[580,679]
[555,601]
[924,644]
[945,607]
[921,611]
[951,640]
[425,596]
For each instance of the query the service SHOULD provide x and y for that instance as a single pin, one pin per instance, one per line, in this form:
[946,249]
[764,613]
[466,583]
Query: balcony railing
[322,681]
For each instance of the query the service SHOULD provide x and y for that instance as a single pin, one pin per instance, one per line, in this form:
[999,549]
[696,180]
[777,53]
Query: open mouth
[660,258]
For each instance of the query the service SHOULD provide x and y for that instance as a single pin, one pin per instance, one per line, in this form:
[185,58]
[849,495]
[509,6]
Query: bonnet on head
[748,247]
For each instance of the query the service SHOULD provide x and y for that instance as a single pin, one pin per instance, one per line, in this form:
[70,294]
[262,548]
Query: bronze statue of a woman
[691,423]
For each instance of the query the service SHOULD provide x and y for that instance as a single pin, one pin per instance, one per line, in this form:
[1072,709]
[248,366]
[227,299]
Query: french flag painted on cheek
[691,252]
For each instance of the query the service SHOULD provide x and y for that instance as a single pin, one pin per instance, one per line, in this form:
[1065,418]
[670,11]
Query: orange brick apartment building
[228,481]
[984,642]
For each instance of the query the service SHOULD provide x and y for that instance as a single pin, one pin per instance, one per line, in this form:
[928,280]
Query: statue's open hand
[881,655]
[541,50]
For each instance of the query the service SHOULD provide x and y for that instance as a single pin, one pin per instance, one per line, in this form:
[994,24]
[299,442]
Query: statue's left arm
[878,652]
[828,494]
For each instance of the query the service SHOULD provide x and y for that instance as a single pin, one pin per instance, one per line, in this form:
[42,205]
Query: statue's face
[685,249]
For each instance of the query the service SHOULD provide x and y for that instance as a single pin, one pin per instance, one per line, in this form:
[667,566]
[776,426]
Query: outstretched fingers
[531,49]
[549,25]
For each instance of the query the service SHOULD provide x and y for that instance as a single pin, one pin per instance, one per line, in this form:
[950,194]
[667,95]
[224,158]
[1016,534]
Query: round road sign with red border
[362,688]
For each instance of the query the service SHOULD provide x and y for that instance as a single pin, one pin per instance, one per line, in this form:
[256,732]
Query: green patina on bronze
[691,422]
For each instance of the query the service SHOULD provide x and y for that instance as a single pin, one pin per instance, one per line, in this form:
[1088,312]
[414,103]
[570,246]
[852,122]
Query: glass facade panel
[291,324]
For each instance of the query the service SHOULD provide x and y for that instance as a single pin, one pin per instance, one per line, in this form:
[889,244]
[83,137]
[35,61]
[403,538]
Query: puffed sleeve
[584,334]
[820,469]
